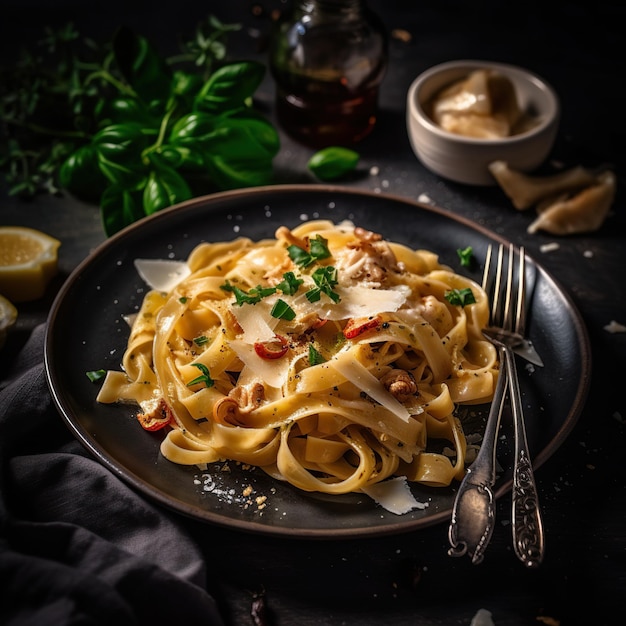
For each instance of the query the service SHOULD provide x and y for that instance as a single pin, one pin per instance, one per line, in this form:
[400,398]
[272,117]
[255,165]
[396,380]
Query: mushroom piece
[584,212]
[231,410]
[525,190]
[400,383]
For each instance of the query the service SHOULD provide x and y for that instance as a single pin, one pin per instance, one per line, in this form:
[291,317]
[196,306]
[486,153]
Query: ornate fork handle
[473,514]
[528,538]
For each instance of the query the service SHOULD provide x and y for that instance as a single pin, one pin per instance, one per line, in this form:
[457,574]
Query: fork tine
[520,313]
[487,270]
[507,299]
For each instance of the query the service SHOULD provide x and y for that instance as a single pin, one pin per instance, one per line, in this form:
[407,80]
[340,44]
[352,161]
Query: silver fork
[473,514]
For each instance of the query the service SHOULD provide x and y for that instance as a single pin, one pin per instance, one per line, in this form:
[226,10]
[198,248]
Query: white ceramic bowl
[466,159]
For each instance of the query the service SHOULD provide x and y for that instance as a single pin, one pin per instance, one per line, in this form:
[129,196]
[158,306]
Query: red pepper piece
[273,349]
[158,418]
[357,326]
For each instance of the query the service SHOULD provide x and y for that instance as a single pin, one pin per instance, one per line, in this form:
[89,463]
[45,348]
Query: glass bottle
[328,58]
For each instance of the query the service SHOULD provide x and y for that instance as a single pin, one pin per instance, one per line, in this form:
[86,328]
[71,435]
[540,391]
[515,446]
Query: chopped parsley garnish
[95,375]
[465,255]
[205,377]
[326,279]
[460,297]
[315,358]
[290,284]
[282,311]
[252,296]
[201,340]
[182,300]
[318,249]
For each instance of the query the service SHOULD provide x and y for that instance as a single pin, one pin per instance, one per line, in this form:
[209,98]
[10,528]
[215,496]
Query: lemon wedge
[28,261]
[8,317]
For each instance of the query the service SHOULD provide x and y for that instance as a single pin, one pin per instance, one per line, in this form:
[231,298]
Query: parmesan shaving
[274,372]
[162,274]
[255,320]
[394,495]
[361,302]
[362,378]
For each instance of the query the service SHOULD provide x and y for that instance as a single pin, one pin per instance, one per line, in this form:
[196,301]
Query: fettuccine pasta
[327,356]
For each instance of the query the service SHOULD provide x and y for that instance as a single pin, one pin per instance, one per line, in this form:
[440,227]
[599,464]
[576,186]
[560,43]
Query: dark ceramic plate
[86,332]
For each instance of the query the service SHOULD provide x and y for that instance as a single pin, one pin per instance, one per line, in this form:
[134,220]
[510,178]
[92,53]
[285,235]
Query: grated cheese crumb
[615,327]
[549,247]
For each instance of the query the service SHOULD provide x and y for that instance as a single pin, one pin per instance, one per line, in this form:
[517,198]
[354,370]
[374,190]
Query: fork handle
[527,525]
[473,513]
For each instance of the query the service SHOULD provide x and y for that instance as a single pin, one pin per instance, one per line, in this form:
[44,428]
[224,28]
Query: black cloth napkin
[77,546]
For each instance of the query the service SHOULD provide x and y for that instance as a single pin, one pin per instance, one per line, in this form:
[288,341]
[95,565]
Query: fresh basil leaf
[234,159]
[333,162]
[125,111]
[229,86]
[120,207]
[186,86]
[183,158]
[80,173]
[197,127]
[144,69]
[255,125]
[119,149]
[164,187]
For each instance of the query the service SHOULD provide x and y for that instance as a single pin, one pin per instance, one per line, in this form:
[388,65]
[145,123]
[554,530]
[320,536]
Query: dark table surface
[408,578]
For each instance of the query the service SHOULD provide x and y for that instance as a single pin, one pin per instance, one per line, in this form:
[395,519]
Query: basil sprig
[131,130]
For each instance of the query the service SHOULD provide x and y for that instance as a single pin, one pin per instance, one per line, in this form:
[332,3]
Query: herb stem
[42,130]
[108,77]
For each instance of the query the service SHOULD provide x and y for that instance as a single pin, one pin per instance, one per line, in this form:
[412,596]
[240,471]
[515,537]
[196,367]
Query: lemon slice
[28,261]
[8,316]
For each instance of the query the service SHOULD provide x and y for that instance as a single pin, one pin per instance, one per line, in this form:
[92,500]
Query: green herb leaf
[465,255]
[282,311]
[118,122]
[326,279]
[230,86]
[202,340]
[290,284]
[204,378]
[333,162]
[315,358]
[141,66]
[252,296]
[460,297]
[95,375]
[120,207]
[318,249]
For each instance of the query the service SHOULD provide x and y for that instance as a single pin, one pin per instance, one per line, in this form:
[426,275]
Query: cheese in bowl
[464,115]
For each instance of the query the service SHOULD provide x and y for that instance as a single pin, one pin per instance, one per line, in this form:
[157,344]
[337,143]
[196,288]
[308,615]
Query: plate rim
[251,526]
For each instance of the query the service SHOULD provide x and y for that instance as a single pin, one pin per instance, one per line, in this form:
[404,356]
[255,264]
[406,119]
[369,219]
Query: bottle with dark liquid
[328,58]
